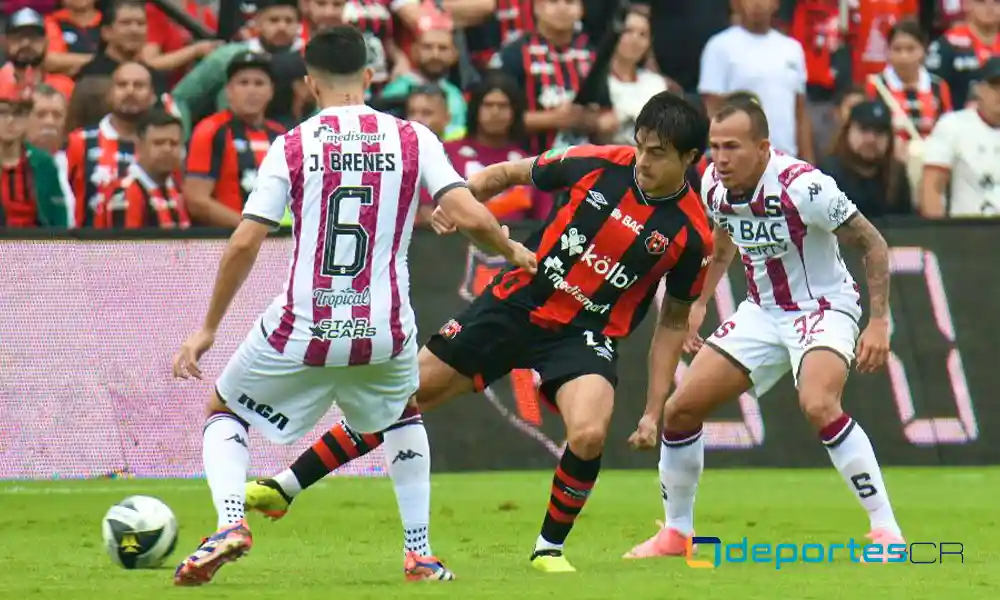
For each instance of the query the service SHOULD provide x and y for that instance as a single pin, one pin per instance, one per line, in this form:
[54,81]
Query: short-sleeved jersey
[65,35]
[601,256]
[785,234]
[922,105]
[956,57]
[137,201]
[549,76]
[969,149]
[228,151]
[350,176]
[96,157]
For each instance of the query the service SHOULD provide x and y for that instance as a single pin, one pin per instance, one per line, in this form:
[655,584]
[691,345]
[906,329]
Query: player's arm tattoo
[674,314]
[858,232]
[497,178]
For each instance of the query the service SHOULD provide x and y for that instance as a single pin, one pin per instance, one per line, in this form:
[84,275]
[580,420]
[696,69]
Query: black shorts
[492,337]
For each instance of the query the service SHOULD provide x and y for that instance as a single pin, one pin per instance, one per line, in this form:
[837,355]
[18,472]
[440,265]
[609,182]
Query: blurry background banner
[86,344]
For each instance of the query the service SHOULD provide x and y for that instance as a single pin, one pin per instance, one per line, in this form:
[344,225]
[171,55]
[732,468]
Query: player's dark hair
[497,81]
[675,121]
[751,107]
[156,117]
[339,50]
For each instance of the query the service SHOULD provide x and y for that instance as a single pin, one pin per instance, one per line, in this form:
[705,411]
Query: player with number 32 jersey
[785,218]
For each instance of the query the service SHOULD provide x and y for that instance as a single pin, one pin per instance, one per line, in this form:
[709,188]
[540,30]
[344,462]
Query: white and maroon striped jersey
[350,176]
[784,232]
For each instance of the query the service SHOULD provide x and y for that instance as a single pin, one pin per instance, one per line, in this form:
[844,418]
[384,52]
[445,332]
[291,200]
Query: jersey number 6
[345,249]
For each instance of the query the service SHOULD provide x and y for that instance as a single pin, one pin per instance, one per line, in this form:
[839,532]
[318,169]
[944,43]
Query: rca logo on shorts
[332,329]
[264,410]
[450,329]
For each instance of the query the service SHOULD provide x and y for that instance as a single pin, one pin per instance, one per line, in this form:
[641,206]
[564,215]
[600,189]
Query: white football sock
[288,483]
[681,465]
[226,454]
[408,459]
[852,454]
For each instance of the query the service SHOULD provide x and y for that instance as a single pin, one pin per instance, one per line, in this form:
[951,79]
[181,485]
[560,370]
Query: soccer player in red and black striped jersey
[631,222]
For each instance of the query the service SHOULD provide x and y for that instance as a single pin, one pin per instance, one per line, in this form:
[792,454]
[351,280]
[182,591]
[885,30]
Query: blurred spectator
[374,19]
[99,155]
[201,91]
[816,25]
[89,102]
[26,48]
[958,54]
[227,148]
[962,155]
[166,35]
[914,93]
[864,166]
[428,106]
[630,84]
[756,58]
[434,56]
[47,120]
[550,65]
[495,126]
[846,101]
[507,22]
[74,34]
[683,27]
[148,195]
[124,38]
[32,193]
[871,21]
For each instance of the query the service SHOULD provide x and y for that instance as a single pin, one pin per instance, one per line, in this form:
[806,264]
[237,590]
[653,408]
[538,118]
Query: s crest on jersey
[450,329]
[656,243]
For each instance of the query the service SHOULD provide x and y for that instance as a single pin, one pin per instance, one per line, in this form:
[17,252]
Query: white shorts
[768,343]
[284,399]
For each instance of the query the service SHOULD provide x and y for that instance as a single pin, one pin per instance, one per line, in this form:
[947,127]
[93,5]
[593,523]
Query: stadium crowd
[111,116]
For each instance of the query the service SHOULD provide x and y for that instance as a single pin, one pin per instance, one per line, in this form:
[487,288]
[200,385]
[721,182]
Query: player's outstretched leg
[226,454]
[340,445]
[713,378]
[586,404]
[823,374]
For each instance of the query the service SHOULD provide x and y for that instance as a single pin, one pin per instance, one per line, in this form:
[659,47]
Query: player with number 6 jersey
[631,222]
[784,218]
[343,330]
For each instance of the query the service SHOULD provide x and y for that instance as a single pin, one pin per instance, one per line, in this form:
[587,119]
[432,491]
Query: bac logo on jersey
[266,411]
[572,241]
[596,199]
[450,329]
[626,220]
[657,243]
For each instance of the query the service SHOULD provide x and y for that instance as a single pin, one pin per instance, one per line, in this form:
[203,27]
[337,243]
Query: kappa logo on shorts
[450,329]
[657,243]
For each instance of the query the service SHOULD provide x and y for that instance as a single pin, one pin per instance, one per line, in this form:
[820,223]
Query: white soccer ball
[140,532]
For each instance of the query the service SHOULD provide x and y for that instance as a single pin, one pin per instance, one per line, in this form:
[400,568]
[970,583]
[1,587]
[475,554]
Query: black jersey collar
[647,199]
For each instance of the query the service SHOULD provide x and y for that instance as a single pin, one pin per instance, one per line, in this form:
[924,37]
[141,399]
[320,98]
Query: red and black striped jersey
[601,256]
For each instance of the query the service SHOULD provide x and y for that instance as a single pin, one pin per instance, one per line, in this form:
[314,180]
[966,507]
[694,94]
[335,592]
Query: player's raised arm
[684,284]
[499,177]
[460,207]
[262,213]
[722,256]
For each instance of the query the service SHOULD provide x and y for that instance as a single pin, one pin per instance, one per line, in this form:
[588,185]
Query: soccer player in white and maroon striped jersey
[785,219]
[343,330]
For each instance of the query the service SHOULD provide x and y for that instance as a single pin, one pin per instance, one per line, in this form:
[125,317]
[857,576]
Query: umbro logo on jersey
[405,455]
[572,241]
[596,199]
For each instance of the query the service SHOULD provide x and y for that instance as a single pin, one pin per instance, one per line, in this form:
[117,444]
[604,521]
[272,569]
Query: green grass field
[342,539]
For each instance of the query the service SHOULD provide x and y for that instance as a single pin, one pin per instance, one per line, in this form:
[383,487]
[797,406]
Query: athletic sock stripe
[680,442]
[566,499]
[324,450]
[219,416]
[572,482]
[839,438]
[345,444]
[417,420]
[560,516]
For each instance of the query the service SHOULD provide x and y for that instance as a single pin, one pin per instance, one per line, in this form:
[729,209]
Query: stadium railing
[89,322]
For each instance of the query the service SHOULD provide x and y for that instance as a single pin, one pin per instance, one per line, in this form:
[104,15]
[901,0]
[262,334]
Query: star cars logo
[657,243]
